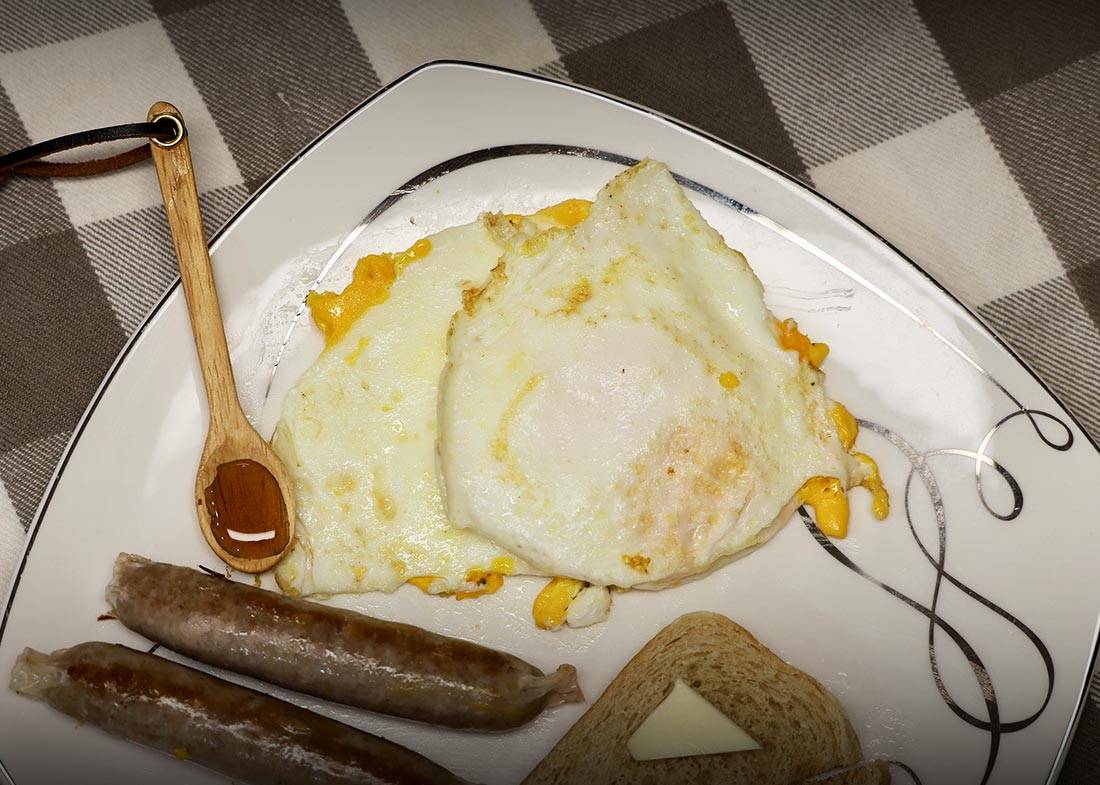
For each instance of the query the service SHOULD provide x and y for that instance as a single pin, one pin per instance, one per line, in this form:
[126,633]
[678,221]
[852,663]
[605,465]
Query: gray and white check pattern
[967,132]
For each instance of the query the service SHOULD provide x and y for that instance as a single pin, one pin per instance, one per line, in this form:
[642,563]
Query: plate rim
[255,196]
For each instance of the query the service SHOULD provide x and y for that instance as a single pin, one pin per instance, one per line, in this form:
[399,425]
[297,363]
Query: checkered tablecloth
[965,131]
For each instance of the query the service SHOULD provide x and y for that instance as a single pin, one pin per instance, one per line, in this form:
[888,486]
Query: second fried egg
[619,405]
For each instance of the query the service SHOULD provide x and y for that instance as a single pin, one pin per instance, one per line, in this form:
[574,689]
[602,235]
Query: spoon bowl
[243,506]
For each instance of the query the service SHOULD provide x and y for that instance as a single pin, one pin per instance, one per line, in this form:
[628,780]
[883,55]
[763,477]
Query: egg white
[357,434]
[584,422]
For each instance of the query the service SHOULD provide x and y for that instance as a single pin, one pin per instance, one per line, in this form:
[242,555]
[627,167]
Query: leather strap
[26,161]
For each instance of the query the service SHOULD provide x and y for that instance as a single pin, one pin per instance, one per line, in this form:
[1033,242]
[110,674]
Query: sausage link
[236,731]
[333,653]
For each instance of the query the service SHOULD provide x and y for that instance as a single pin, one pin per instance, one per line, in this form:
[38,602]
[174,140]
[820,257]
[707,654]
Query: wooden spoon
[242,493]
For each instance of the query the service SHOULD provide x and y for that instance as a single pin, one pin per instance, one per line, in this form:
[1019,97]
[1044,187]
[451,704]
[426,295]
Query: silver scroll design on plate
[920,468]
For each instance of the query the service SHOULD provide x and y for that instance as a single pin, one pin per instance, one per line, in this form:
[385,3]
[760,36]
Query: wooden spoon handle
[181,203]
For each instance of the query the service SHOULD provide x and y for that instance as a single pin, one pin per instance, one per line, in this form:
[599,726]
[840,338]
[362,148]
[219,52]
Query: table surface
[964,131]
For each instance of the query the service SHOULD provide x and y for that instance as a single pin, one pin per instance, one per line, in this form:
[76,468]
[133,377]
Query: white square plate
[959,634]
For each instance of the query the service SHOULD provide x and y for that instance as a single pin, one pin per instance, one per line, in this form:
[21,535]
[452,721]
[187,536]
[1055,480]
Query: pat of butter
[687,724]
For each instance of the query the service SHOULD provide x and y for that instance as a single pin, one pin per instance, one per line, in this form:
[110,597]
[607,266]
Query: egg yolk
[487,581]
[565,214]
[568,213]
[790,337]
[553,602]
[424,582]
[846,426]
[880,499]
[729,380]
[826,495]
[334,313]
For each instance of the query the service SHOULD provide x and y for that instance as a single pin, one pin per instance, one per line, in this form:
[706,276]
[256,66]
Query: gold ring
[176,138]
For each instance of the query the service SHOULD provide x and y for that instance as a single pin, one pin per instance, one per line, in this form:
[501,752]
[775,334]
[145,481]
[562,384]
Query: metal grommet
[176,138]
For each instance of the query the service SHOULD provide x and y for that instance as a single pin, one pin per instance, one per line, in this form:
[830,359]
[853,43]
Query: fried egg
[357,432]
[619,407]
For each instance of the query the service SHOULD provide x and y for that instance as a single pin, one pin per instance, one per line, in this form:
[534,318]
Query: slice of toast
[801,728]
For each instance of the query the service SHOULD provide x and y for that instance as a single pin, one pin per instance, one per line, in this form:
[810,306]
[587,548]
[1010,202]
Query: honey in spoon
[247,515]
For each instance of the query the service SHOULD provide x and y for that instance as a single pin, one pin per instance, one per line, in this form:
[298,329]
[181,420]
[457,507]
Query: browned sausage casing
[333,653]
[236,731]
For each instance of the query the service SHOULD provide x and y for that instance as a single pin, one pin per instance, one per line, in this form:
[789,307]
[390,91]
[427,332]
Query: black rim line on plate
[135,338]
